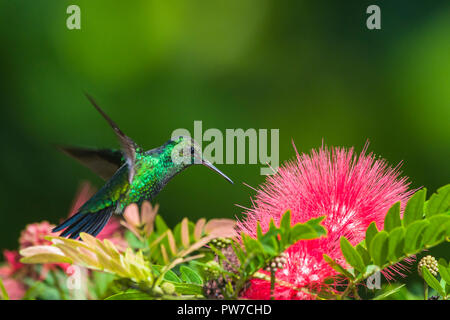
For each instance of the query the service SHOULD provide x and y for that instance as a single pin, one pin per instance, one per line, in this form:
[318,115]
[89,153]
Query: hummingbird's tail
[88,222]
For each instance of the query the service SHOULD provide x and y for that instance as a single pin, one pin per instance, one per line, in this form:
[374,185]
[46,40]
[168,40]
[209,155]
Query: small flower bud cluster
[212,269]
[168,288]
[277,263]
[213,288]
[232,262]
[221,243]
[430,263]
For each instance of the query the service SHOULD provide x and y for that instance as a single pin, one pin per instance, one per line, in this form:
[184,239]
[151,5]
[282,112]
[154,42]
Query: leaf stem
[356,294]
[347,290]
[425,290]
[272,284]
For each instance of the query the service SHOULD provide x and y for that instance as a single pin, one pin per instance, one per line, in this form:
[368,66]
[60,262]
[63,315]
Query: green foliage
[255,253]
[190,276]
[392,219]
[414,207]
[379,248]
[165,244]
[441,287]
[183,284]
[370,234]
[130,295]
[439,202]
[424,225]
[336,266]
[396,291]
[179,263]
[148,265]
[389,292]
[351,255]
[101,285]
[444,270]
[187,282]
[433,282]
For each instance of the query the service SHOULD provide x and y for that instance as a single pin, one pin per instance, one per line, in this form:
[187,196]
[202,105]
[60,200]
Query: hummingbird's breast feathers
[150,172]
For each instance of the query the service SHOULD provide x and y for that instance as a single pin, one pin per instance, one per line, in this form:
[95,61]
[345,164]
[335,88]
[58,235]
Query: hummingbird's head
[187,152]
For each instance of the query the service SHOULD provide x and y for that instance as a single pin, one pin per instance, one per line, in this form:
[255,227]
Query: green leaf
[252,245]
[302,232]
[270,247]
[259,233]
[444,271]
[130,295]
[370,234]
[255,253]
[160,225]
[46,258]
[41,290]
[364,254]
[190,276]
[392,218]
[439,201]
[386,294]
[336,266]
[413,235]
[101,281]
[379,248]
[315,224]
[414,207]
[432,281]
[445,286]
[351,255]
[443,262]
[240,254]
[133,241]
[168,276]
[396,243]
[436,230]
[285,223]
[188,288]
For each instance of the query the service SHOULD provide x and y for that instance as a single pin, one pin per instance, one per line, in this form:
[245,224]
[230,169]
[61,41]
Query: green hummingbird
[133,175]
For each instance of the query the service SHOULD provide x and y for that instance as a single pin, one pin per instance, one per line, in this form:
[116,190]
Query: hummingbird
[133,175]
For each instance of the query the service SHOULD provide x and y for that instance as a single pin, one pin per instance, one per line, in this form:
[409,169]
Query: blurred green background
[310,68]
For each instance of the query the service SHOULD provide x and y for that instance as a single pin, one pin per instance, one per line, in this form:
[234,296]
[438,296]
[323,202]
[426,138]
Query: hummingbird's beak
[208,164]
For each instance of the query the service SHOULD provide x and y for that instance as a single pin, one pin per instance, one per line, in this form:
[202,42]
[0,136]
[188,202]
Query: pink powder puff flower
[34,235]
[10,271]
[13,263]
[350,190]
[14,288]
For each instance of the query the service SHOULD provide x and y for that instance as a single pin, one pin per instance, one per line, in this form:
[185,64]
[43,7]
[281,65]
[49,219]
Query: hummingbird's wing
[128,145]
[104,162]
